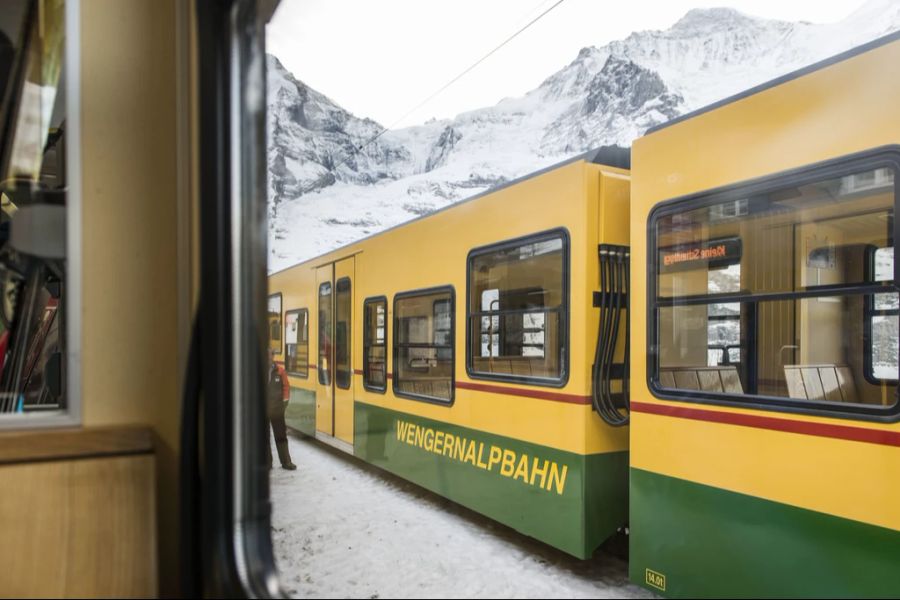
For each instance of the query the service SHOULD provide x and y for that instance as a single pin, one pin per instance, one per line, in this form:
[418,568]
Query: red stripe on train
[841,432]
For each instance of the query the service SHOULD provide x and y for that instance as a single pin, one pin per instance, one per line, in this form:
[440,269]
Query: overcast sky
[380,58]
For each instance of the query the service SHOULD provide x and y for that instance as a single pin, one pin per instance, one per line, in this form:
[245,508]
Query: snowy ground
[343,529]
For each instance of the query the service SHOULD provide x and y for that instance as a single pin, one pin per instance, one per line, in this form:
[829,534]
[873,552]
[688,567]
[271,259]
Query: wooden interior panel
[79,528]
[667,379]
[830,384]
[57,444]
[687,380]
[796,389]
[845,382]
[521,367]
[500,366]
[821,382]
[731,381]
[812,383]
[709,380]
[140,233]
[441,389]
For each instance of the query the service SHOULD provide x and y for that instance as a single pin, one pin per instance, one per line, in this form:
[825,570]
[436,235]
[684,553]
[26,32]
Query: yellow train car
[765,442]
[468,351]
[451,351]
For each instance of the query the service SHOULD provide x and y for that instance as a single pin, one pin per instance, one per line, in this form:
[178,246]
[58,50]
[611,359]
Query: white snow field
[343,529]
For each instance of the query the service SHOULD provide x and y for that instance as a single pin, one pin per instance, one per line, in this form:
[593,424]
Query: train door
[325,350]
[334,387]
[343,342]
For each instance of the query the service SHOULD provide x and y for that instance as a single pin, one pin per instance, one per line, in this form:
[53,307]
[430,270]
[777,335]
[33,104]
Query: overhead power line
[470,67]
[462,74]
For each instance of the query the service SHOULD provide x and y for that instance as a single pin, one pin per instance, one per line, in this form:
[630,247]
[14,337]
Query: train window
[375,344]
[442,329]
[769,298]
[881,326]
[343,370]
[40,242]
[724,319]
[517,308]
[423,344]
[296,342]
[325,312]
[275,323]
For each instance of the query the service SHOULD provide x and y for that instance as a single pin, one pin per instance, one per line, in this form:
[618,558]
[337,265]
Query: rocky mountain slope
[329,187]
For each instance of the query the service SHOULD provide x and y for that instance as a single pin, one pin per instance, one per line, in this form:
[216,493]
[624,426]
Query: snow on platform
[343,529]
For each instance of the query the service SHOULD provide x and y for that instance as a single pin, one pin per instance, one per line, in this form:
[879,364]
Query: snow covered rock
[325,163]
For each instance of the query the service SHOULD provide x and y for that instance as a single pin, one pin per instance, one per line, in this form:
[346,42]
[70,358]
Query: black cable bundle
[613,300]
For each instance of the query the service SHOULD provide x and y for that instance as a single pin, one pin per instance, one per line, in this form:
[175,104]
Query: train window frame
[875,158]
[400,296]
[365,354]
[228,551]
[869,311]
[304,374]
[565,309]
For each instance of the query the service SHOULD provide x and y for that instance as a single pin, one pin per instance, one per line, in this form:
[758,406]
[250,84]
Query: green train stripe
[570,501]
[689,539]
[300,413]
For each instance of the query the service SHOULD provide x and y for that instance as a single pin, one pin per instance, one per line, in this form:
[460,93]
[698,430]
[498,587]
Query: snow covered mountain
[309,135]
[328,187]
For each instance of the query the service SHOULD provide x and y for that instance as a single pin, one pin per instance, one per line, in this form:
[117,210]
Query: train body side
[731,499]
[534,457]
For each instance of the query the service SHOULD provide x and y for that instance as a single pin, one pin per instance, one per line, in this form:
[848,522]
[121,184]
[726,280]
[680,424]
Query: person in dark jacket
[278,390]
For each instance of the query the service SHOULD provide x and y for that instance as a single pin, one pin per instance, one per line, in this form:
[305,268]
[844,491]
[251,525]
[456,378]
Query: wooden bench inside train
[831,383]
[508,365]
[433,388]
[822,382]
[722,379]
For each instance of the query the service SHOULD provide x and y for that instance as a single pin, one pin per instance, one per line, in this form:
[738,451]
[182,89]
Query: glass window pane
[806,349]
[724,335]
[518,297]
[342,327]
[886,301]
[884,264]
[885,344]
[275,323]
[423,354]
[325,313]
[296,342]
[768,296]
[884,271]
[882,320]
[789,240]
[374,354]
[442,329]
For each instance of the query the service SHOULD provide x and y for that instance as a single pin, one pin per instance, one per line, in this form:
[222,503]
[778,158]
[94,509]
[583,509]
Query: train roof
[876,43]
[610,156]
